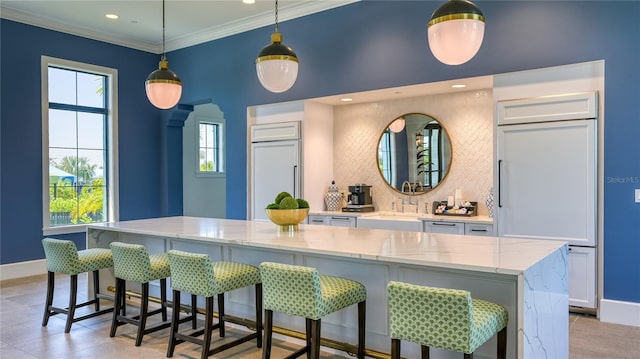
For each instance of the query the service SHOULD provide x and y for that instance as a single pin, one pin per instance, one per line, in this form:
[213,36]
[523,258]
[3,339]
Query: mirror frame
[377,149]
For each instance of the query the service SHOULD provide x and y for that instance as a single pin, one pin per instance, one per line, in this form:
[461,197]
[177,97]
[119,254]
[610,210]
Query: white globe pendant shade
[456,31]
[163,87]
[397,125]
[277,65]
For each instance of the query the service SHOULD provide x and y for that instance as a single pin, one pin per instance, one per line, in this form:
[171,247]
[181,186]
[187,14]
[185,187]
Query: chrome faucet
[411,194]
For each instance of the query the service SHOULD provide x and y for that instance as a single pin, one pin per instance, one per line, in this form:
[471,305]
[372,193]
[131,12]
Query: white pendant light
[277,64]
[455,31]
[163,86]
[397,125]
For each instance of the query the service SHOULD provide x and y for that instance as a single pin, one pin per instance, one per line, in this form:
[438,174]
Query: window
[210,154]
[79,145]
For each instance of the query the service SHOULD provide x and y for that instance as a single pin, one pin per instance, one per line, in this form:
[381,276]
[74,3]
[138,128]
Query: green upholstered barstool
[301,291]
[63,257]
[132,262]
[443,318]
[196,274]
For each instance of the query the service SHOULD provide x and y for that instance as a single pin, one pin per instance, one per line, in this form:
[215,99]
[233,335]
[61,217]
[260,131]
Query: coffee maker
[359,199]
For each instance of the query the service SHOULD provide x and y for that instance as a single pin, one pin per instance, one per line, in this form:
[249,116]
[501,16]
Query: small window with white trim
[210,147]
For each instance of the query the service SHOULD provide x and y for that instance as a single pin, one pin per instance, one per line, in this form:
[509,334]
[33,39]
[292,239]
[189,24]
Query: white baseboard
[618,312]
[23,269]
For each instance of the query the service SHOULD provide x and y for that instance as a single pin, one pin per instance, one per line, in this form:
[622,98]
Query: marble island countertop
[484,254]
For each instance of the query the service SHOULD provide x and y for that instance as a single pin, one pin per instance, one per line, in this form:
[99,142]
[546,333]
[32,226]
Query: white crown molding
[216,32]
[51,24]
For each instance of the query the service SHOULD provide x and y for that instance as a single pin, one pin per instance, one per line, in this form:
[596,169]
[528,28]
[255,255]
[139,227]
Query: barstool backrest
[62,256]
[130,262]
[290,289]
[191,273]
[438,317]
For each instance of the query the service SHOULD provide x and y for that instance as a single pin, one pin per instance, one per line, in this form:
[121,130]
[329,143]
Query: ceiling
[139,26]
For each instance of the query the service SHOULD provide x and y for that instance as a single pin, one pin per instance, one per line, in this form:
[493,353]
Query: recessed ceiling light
[248,1]
[459,86]
[111,16]
[346,99]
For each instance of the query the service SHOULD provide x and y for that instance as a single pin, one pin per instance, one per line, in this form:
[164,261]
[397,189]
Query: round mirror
[414,154]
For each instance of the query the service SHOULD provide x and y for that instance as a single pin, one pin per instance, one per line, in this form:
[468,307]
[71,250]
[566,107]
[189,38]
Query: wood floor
[22,336]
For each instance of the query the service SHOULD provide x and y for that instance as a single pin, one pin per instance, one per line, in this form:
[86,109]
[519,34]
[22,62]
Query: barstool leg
[309,335]
[163,298]
[175,322]
[72,302]
[117,310]
[425,351]
[362,318]
[268,327]
[502,343]
[144,308]
[395,348]
[49,301]
[221,313]
[208,326]
[96,289]
[315,341]
[194,311]
[259,314]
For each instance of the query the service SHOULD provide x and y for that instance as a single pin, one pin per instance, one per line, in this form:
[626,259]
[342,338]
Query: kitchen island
[528,277]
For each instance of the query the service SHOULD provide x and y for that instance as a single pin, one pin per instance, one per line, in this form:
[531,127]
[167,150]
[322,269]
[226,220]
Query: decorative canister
[489,202]
[333,198]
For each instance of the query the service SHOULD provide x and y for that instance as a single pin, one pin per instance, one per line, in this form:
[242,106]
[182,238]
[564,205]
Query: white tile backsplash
[467,117]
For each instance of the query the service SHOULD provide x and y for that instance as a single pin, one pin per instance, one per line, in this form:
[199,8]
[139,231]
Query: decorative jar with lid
[333,198]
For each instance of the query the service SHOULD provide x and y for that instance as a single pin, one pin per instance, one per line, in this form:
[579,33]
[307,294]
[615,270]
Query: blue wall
[362,46]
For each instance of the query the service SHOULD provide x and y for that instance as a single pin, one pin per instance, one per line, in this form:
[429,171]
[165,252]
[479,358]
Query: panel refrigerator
[275,164]
[547,180]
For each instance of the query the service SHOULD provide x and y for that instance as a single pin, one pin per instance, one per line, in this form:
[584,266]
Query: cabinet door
[582,277]
[547,181]
[274,168]
[444,227]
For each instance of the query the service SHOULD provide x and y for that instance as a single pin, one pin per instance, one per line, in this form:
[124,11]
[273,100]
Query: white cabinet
[582,280]
[275,165]
[443,227]
[411,225]
[333,220]
[290,149]
[477,229]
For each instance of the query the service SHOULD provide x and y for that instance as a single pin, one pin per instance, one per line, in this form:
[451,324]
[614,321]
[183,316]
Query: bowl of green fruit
[287,212]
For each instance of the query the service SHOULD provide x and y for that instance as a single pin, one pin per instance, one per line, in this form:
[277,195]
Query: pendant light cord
[163,54]
[277,16]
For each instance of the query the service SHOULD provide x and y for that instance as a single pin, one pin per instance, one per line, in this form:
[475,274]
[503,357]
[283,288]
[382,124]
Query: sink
[392,220]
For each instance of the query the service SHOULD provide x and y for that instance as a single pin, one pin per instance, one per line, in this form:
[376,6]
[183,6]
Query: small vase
[489,202]
[333,198]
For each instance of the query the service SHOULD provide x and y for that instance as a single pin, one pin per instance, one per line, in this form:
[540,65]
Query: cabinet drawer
[313,219]
[472,229]
[342,221]
[444,227]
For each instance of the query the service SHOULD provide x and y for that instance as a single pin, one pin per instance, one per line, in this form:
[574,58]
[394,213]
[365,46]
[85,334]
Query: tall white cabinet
[290,149]
[547,180]
[275,164]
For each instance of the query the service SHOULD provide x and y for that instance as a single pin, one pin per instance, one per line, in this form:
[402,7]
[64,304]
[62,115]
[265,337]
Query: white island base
[528,277]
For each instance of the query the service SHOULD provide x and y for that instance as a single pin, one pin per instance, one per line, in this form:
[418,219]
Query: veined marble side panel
[544,317]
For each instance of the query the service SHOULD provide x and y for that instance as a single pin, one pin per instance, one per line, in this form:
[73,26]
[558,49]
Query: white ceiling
[139,26]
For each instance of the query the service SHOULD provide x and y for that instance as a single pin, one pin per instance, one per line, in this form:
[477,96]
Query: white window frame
[112,146]
[221,147]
